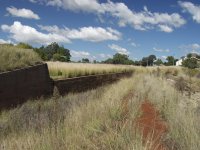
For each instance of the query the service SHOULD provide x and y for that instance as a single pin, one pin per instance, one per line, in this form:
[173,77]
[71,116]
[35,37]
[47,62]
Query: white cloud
[165,28]
[24,13]
[143,20]
[194,10]
[79,54]
[2,41]
[93,34]
[24,33]
[119,49]
[161,50]
[190,47]
[105,56]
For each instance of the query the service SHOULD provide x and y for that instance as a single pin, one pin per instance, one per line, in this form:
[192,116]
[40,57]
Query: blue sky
[97,29]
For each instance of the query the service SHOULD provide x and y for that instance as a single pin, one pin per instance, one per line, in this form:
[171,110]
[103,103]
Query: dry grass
[94,120]
[67,70]
[13,58]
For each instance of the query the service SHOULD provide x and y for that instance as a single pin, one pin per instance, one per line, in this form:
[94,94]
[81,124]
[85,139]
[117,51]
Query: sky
[97,29]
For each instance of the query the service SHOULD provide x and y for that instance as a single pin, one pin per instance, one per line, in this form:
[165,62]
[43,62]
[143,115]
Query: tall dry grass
[67,70]
[13,58]
[94,120]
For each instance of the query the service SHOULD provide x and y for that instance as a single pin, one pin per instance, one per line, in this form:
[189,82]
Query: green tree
[171,61]
[120,59]
[190,63]
[54,52]
[158,62]
[85,60]
[148,61]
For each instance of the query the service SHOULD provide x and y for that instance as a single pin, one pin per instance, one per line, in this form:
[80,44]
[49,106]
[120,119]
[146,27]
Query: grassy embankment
[68,70]
[95,119]
[12,58]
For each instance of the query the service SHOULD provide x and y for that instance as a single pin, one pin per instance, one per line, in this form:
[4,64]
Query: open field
[68,70]
[14,58]
[106,117]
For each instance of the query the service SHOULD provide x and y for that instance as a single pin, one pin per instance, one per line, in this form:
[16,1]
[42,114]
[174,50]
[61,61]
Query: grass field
[68,70]
[12,58]
[96,119]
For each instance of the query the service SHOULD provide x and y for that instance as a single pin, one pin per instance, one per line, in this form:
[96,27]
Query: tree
[54,52]
[148,61]
[171,61]
[108,61]
[120,59]
[85,60]
[158,62]
[190,63]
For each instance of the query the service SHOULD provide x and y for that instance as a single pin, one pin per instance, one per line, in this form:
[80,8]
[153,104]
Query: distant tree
[158,62]
[171,61]
[191,63]
[94,61]
[108,61]
[24,46]
[148,61]
[54,52]
[120,59]
[151,59]
[85,60]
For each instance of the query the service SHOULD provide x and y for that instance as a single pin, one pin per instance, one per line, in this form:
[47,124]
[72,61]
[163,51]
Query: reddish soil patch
[151,125]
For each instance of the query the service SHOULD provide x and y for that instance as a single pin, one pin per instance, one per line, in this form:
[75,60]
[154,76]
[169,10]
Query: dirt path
[151,125]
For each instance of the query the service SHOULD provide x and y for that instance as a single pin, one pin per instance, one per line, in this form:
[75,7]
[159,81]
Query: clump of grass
[69,70]
[12,58]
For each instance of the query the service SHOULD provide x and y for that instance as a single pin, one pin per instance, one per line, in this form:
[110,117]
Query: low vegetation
[68,70]
[98,119]
[12,58]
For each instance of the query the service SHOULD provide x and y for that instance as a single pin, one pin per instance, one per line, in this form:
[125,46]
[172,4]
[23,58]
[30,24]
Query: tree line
[56,52]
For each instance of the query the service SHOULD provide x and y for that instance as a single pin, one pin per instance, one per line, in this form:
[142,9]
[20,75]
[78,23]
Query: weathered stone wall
[20,85]
[80,84]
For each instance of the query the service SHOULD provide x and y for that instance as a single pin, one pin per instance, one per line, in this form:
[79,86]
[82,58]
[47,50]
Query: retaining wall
[80,84]
[20,85]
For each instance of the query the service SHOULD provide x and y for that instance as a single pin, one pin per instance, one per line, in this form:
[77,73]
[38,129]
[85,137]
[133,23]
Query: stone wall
[80,84]
[20,85]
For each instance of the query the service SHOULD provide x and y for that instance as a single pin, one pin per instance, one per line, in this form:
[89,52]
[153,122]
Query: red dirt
[151,125]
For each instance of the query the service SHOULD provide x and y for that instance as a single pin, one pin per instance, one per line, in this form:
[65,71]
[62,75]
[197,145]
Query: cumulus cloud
[165,28]
[143,20]
[24,13]
[191,8]
[79,54]
[93,34]
[161,50]
[24,33]
[119,49]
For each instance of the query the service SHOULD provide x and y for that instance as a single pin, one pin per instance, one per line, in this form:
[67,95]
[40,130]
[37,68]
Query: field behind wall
[68,70]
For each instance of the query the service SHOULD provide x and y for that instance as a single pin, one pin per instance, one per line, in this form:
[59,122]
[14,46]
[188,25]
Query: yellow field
[67,70]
